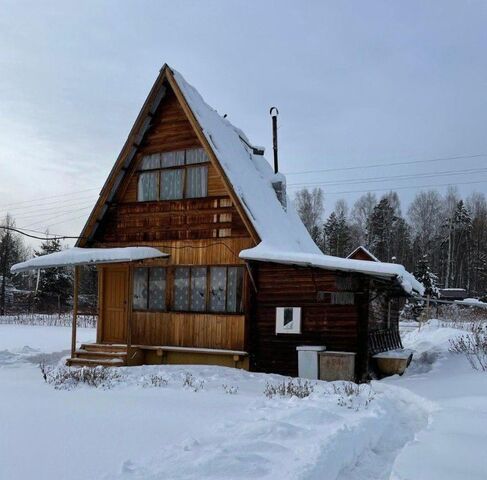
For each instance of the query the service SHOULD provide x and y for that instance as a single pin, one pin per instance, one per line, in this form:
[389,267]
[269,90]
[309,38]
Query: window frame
[184,167]
[240,309]
[147,279]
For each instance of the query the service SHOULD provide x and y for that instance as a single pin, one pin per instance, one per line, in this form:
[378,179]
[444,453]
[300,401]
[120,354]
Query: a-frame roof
[248,176]
[365,252]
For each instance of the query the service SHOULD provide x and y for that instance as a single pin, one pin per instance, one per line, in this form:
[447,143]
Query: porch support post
[75,310]
[129,312]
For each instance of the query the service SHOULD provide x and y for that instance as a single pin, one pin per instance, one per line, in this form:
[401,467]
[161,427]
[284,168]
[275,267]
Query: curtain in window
[157,289]
[171,184]
[196,155]
[218,284]
[234,289]
[147,188]
[172,159]
[140,289]
[196,182]
[181,289]
[150,162]
[198,289]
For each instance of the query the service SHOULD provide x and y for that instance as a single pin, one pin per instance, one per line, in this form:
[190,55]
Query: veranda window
[173,175]
[149,289]
[213,289]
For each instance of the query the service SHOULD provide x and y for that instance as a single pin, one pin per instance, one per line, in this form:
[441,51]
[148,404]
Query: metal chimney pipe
[274,112]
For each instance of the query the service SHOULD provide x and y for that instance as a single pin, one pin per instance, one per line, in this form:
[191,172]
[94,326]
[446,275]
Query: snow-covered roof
[251,177]
[367,252]
[377,269]
[284,238]
[88,256]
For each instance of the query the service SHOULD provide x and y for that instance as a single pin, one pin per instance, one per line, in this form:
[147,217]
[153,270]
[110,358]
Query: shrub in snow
[154,380]
[353,396]
[292,387]
[66,378]
[231,390]
[473,345]
[193,383]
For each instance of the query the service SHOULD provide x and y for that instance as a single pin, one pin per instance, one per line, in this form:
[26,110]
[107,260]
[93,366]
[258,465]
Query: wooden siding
[189,219]
[188,330]
[338,327]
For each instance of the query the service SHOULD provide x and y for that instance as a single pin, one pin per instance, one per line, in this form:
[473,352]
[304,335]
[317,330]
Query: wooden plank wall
[338,327]
[189,330]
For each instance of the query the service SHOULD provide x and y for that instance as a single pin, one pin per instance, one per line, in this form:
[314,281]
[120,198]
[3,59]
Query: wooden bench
[163,351]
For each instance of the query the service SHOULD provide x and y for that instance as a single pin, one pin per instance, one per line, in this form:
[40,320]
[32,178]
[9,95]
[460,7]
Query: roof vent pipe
[274,112]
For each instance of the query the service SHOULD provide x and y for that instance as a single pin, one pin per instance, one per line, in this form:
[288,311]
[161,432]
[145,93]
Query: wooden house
[239,281]
[362,253]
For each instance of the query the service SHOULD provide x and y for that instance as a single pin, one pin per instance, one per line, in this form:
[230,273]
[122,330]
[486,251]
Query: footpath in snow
[190,422]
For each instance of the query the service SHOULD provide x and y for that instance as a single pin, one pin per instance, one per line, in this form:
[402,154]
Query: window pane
[196,182]
[181,289]
[139,300]
[157,289]
[147,190]
[218,279]
[151,161]
[198,289]
[234,289]
[196,155]
[172,159]
[171,184]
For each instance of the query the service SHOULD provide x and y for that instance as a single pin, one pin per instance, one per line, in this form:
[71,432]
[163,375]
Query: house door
[115,300]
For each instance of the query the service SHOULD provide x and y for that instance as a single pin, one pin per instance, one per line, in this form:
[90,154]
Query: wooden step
[86,362]
[103,347]
[99,355]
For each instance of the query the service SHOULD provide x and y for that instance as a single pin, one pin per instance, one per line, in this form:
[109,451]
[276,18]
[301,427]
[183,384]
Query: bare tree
[310,206]
[361,211]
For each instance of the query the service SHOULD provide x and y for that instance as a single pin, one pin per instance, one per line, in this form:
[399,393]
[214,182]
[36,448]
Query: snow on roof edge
[380,269]
[88,256]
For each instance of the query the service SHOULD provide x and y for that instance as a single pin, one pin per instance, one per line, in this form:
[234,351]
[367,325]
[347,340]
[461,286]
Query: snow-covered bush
[473,345]
[154,380]
[292,387]
[66,378]
[353,396]
[230,389]
[192,383]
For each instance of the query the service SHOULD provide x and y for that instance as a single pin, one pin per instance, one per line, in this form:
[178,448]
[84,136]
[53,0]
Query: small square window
[342,298]
[148,185]
[288,320]
[172,184]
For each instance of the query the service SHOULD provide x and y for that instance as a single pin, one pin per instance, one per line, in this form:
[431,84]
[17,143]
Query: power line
[57,216]
[40,215]
[406,187]
[50,205]
[395,177]
[390,164]
[64,237]
[52,196]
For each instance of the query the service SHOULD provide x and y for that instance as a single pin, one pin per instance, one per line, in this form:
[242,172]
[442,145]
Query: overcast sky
[357,84]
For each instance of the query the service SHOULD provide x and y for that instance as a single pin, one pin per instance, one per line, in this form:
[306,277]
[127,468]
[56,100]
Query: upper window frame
[185,166]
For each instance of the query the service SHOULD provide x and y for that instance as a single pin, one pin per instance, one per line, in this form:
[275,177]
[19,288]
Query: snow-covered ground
[216,423]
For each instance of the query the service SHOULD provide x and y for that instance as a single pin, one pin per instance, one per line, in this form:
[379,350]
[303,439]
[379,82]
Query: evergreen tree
[55,285]
[336,234]
[12,250]
[424,275]
[380,225]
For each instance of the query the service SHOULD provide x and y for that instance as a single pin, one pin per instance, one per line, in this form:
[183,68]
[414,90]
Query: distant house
[235,279]
[453,293]
[361,253]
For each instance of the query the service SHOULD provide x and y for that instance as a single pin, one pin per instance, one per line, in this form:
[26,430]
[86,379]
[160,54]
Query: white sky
[356,83]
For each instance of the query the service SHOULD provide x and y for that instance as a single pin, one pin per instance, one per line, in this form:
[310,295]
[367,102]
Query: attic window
[173,175]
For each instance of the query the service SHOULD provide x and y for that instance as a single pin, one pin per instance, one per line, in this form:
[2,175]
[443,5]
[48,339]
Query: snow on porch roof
[88,256]
[376,269]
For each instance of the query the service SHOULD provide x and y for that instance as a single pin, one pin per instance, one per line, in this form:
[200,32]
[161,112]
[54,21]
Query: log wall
[338,327]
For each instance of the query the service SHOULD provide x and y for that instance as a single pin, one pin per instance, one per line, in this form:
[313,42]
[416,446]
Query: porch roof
[88,256]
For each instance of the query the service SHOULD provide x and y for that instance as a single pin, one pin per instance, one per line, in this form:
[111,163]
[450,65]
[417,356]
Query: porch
[119,355]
